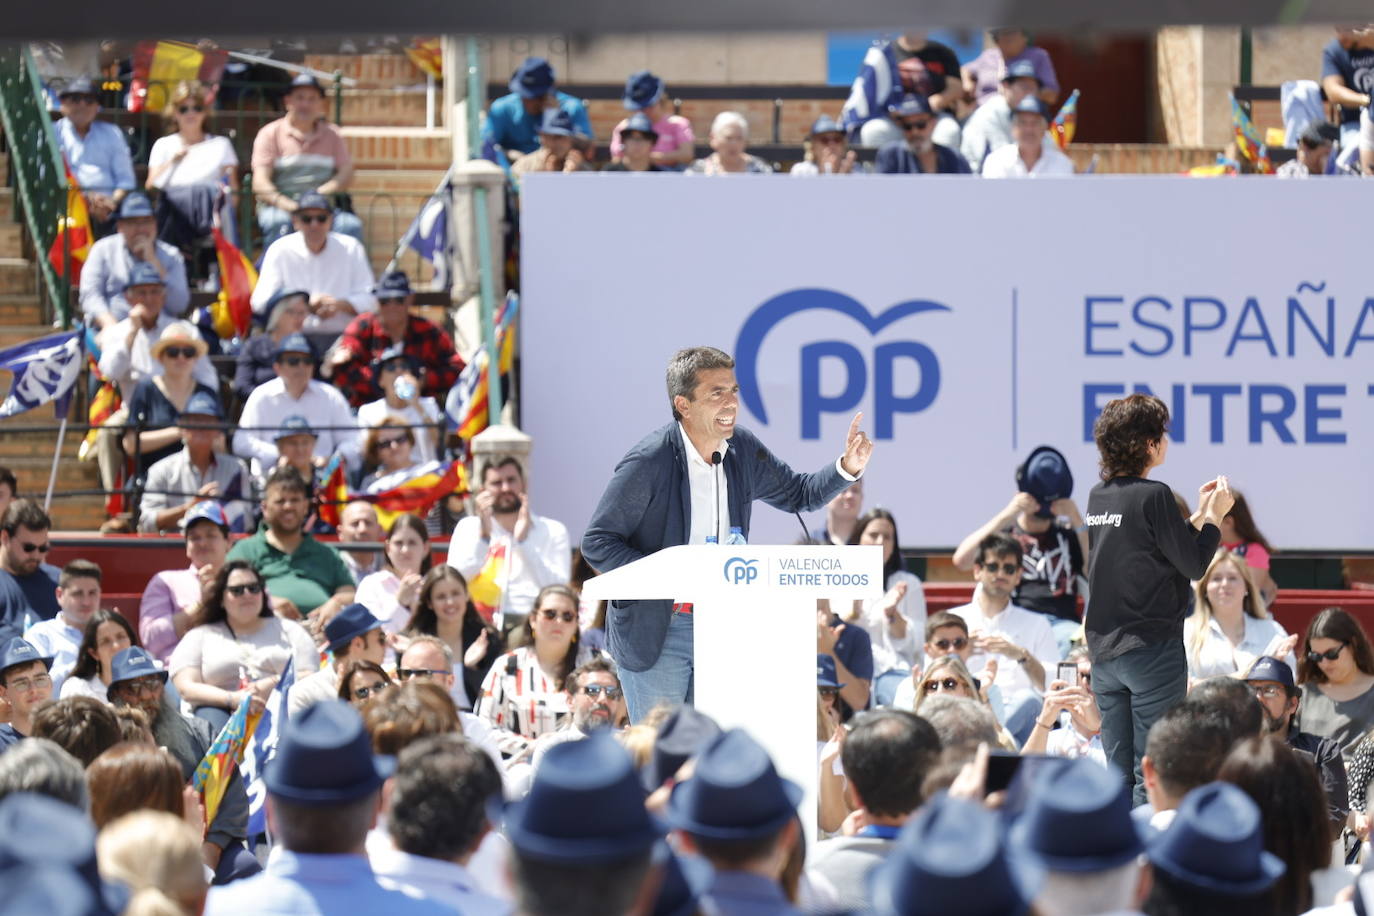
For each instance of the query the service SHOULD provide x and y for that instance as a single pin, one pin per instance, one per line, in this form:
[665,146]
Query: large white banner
[970,321]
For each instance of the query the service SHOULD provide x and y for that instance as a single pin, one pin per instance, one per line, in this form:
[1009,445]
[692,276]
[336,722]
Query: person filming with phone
[1071,692]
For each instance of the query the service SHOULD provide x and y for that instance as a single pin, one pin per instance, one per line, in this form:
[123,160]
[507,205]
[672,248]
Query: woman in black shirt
[1141,556]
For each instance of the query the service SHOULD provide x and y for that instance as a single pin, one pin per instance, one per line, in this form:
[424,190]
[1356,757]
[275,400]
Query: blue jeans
[669,680]
[276,223]
[1133,690]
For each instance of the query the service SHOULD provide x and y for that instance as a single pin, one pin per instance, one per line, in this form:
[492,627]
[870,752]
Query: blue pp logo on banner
[885,357]
[739,571]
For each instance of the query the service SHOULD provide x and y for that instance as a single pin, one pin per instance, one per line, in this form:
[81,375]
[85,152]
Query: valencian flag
[217,767]
[333,493]
[416,490]
[74,235]
[427,55]
[485,588]
[106,400]
[1065,123]
[263,748]
[160,65]
[1248,139]
[467,404]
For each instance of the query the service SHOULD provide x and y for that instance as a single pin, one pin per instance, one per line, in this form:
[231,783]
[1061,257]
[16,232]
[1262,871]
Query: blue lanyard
[881,831]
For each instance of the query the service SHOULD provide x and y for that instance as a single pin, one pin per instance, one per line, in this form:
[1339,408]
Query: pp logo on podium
[739,571]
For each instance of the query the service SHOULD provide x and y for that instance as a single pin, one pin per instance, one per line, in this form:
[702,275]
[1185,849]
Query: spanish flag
[160,65]
[485,587]
[237,278]
[217,767]
[333,493]
[105,402]
[75,228]
[416,490]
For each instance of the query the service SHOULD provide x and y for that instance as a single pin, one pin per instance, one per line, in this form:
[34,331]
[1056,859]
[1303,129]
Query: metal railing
[36,169]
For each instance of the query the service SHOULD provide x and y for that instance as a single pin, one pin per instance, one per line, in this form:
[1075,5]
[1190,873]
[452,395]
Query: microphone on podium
[715,495]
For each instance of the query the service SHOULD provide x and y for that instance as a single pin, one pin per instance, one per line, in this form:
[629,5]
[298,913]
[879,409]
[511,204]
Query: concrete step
[402,148]
[21,308]
[11,239]
[402,106]
[372,71]
[17,275]
[11,334]
[7,204]
[68,512]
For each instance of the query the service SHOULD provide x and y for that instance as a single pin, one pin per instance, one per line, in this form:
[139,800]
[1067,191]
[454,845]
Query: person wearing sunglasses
[127,346]
[524,693]
[235,647]
[362,680]
[1081,735]
[200,470]
[295,393]
[189,154]
[917,153]
[352,635]
[158,399]
[95,151]
[596,702]
[1336,673]
[28,584]
[330,265]
[389,452]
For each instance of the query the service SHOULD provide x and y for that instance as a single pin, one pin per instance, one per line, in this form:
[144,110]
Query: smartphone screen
[1002,767]
[1068,673]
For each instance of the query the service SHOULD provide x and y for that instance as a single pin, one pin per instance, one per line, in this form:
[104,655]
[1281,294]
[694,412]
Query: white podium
[754,624]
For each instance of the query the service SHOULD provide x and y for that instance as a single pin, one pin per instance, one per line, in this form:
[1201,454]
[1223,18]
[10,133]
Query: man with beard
[136,681]
[596,701]
[1272,681]
[918,153]
[538,551]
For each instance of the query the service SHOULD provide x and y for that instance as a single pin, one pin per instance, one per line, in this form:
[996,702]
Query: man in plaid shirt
[368,336]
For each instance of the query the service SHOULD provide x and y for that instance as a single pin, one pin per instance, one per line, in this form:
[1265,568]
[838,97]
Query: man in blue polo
[353,635]
[324,792]
[24,684]
[95,152]
[513,120]
[661,496]
[111,262]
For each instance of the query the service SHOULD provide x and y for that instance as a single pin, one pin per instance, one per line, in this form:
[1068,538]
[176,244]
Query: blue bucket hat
[294,343]
[134,662]
[43,838]
[681,737]
[144,274]
[639,123]
[1216,844]
[325,758]
[532,79]
[642,89]
[19,651]
[1267,668]
[351,622]
[79,86]
[909,105]
[734,793]
[207,510]
[825,671]
[392,353]
[584,806]
[1018,69]
[556,122]
[295,425]
[202,403]
[1031,105]
[134,204]
[826,125]
[1045,475]
[1079,819]
[393,285]
[265,316]
[951,858]
[306,81]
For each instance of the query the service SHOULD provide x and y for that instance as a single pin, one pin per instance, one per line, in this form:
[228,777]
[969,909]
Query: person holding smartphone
[1142,554]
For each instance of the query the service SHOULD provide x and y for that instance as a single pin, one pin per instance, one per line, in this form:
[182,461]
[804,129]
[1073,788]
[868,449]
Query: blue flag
[263,748]
[428,236]
[45,371]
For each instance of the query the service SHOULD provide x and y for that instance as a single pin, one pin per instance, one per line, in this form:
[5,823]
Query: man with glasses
[138,682]
[429,658]
[1272,681]
[197,472]
[595,701]
[330,266]
[294,393]
[353,635]
[25,684]
[28,586]
[128,347]
[95,151]
[918,153]
[372,342]
[111,261]
[1022,640]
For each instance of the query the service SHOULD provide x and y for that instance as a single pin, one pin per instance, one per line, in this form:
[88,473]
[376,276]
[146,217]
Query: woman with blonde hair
[949,676]
[157,856]
[1229,627]
[189,154]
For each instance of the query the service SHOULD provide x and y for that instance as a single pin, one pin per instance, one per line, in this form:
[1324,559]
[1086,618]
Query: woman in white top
[1229,627]
[391,592]
[389,450]
[896,622]
[235,648]
[107,634]
[190,155]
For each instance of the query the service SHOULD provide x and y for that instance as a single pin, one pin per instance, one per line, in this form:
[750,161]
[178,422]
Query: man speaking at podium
[694,478]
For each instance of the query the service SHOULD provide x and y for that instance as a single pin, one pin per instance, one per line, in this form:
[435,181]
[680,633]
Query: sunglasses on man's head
[936,685]
[957,644]
[550,614]
[1330,655]
[250,588]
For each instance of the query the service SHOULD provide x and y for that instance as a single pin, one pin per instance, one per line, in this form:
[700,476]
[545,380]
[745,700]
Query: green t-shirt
[308,577]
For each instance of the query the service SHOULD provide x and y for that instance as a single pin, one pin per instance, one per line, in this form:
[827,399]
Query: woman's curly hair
[1125,431]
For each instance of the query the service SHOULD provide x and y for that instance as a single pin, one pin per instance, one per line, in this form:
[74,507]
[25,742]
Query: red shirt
[425,342]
